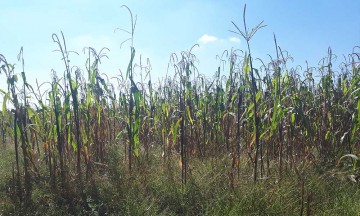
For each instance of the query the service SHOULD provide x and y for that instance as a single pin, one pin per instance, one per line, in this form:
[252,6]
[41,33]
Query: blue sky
[304,28]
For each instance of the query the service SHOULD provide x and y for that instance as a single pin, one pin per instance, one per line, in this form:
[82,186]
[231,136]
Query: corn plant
[255,94]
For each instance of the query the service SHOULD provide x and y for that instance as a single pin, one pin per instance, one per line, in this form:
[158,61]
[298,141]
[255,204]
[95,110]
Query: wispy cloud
[234,40]
[207,38]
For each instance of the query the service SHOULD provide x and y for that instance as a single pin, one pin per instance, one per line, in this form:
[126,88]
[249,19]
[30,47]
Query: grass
[157,190]
[6,165]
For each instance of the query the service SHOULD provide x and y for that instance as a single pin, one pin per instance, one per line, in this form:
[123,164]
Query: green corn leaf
[293,118]
[176,129]
[275,119]
[103,83]
[33,115]
[129,69]
[6,97]
[327,135]
[88,96]
[354,157]
[92,77]
[246,67]
[119,134]
[136,145]
[251,106]
[258,96]
[189,115]
[84,136]
[74,146]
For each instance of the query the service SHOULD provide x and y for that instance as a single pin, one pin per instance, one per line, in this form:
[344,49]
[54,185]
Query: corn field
[263,115]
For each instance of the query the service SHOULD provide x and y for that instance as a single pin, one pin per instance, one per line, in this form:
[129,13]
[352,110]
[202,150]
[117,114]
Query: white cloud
[234,40]
[207,38]
[210,38]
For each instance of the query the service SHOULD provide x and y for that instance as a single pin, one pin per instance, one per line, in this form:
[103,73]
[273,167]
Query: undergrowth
[158,191]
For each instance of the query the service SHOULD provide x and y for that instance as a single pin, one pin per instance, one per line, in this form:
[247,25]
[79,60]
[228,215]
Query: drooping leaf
[352,156]
[176,129]
[6,97]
